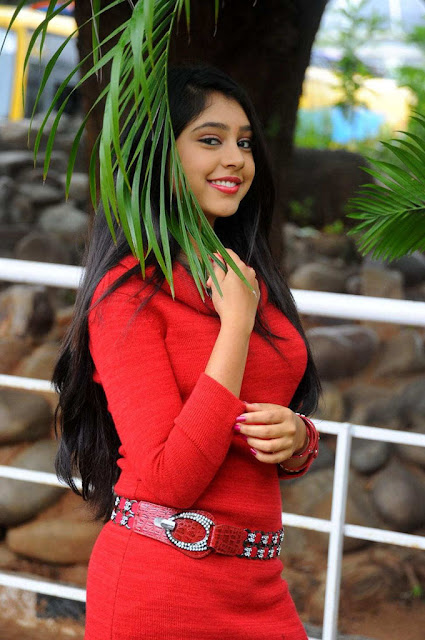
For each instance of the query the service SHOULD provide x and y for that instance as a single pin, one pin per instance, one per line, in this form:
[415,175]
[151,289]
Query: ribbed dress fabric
[179,449]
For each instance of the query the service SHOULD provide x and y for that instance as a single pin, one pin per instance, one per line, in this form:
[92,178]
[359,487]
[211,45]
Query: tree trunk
[264,45]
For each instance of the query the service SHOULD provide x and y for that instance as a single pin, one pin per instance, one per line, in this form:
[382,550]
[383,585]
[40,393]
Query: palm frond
[135,102]
[392,211]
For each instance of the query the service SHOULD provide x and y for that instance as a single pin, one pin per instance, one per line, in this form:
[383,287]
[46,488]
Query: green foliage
[137,89]
[356,30]
[414,76]
[301,212]
[392,211]
[334,228]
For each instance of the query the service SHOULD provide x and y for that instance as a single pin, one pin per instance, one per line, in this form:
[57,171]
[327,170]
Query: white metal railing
[318,303]
[311,302]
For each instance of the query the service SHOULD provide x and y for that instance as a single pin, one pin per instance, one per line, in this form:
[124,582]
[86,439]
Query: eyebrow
[221,125]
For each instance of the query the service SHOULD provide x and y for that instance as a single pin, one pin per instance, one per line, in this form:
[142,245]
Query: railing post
[336,536]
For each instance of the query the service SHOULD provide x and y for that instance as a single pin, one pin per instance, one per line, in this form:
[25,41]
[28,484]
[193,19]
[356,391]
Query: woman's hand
[238,306]
[274,431]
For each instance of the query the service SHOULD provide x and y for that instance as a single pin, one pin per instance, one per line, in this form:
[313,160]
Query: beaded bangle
[311,450]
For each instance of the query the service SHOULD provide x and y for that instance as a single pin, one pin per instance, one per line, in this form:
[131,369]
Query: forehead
[223,109]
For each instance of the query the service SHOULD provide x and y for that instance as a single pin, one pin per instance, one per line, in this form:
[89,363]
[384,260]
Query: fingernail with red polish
[253,451]
[237,427]
[241,418]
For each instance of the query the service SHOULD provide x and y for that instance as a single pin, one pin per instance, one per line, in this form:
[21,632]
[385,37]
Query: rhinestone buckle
[167,525]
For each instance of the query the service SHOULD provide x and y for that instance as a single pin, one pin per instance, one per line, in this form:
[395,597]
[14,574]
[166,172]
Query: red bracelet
[311,450]
[313,438]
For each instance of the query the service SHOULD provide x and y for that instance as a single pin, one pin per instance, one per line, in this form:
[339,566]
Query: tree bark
[264,45]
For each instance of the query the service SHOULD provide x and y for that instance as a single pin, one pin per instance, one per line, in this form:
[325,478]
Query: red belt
[194,532]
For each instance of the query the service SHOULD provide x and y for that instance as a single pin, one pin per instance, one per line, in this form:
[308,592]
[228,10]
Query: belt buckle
[168,524]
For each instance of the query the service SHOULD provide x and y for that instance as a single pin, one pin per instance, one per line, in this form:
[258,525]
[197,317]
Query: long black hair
[89,443]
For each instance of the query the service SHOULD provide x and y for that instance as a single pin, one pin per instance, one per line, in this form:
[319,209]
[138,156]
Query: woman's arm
[175,448]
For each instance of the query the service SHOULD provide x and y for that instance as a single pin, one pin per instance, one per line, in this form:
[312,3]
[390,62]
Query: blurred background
[333,83]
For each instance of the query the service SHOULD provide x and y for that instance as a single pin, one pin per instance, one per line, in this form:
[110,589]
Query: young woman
[185,473]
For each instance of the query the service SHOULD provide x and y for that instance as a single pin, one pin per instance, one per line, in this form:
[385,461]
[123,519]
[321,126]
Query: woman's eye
[249,143]
[208,139]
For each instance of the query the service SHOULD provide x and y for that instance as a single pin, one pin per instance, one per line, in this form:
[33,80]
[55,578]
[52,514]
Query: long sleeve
[175,448]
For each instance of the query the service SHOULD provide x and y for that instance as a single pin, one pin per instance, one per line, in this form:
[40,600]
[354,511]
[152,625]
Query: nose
[232,156]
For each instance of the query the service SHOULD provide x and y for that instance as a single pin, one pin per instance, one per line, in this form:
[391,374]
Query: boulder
[405,353]
[23,416]
[398,494]
[79,187]
[42,247]
[64,220]
[311,495]
[315,276]
[12,349]
[74,540]
[367,456]
[21,500]
[25,310]
[342,351]
[381,283]
[410,452]
[331,403]
[40,363]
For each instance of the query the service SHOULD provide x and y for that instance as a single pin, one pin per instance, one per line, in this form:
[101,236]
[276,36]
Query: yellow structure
[321,88]
[16,46]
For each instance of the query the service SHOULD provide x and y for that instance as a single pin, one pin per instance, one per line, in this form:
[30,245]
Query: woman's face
[216,147]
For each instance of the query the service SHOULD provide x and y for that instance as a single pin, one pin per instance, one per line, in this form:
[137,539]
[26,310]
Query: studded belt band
[194,532]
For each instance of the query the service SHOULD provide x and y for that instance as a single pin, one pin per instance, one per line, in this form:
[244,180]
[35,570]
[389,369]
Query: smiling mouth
[224,186]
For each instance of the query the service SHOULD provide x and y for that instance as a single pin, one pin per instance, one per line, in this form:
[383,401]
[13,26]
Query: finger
[260,431]
[272,445]
[268,458]
[261,417]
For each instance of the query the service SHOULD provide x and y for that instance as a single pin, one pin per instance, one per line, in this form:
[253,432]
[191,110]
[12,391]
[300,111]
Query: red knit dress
[179,449]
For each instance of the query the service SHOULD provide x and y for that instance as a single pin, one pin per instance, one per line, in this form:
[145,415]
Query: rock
[405,353]
[76,575]
[410,452]
[7,557]
[360,394]
[411,398]
[40,194]
[14,134]
[342,351]
[332,245]
[9,236]
[353,285]
[411,267]
[398,495]
[79,187]
[69,223]
[25,310]
[23,416]
[381,413]
[7,190]
[367,456]
[73,540]
[311,495]
[382,283]
[21,500]
[331,404]
[40,363]
[11,351]
[325,459]
[12,161]
[42,247]
[316,276]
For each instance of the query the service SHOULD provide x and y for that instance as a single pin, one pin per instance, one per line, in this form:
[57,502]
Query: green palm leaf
[392,213]
[136,96]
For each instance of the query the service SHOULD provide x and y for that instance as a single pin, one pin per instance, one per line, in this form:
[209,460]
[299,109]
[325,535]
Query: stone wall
[372,374]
